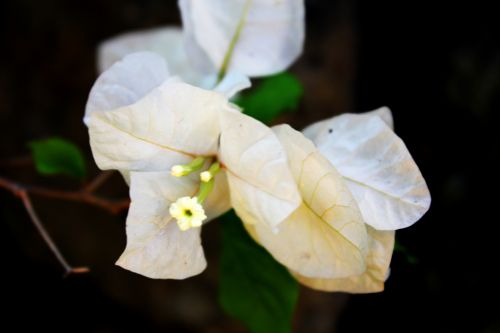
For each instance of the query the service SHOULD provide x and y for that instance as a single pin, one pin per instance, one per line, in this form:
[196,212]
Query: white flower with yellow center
[188,212]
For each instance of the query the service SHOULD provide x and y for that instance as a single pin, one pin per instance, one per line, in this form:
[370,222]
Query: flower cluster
[324,202]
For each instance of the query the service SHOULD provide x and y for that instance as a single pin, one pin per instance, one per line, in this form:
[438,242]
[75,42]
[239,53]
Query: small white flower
[178,171]
[205,176]
[188,212]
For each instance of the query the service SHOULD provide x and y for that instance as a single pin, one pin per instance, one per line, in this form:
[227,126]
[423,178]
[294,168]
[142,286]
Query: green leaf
[254,288]
[57,156]
[273,96]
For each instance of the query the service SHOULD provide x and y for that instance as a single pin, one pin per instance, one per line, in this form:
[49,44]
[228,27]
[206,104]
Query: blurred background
[435,64]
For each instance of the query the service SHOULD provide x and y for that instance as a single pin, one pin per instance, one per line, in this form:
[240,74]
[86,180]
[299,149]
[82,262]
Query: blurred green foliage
[58,156]
[254,287]
[274,95]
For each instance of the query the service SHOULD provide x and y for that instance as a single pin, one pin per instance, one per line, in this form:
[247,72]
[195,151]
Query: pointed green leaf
[254,288]
[273,96]
[57,156]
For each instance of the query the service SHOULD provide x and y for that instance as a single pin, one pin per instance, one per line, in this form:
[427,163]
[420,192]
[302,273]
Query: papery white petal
[232,84]
[170,125]
[384,113]
[262,187]
[126,82]
[326,236]
[318,132]
[377,268]
[270,39]
[167,42]
[156,247]
[377,166]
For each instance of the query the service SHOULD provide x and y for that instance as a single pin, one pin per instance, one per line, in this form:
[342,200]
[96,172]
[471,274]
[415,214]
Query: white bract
[357,187]
[376,165]
[251,37]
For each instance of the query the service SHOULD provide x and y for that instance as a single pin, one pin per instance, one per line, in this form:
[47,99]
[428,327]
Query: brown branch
[98,181]
[112,206]
[85,195]
[68,269]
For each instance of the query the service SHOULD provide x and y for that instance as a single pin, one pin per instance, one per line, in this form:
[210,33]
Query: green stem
[214,168]
[205,189]
[195,164]
[232,43]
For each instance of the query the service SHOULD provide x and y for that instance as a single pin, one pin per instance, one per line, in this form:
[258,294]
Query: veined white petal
[378,168]
[168,42]
[171,125]
[377,268]
[268,35]
[326,236]
[156,247]
[262,187]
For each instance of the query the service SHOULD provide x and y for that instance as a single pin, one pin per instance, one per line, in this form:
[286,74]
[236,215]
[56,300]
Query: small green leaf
[273,96]
[254,288]
[57,156]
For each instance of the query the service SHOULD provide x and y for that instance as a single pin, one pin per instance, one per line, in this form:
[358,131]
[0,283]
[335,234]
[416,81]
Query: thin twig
[98,181]
[85,195]
[112,206]
[68,269]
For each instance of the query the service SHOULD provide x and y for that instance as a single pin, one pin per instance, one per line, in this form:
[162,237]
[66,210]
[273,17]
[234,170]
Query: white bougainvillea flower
[376,165]
[151,130]
[253,37]
[188,212]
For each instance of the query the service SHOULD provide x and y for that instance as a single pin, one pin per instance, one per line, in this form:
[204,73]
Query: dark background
[435,64]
